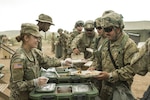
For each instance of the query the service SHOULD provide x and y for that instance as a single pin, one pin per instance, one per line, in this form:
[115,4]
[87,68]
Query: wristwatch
[110,77]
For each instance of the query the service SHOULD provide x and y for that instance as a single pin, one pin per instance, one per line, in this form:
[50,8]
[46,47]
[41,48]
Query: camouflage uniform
[83,41]
[141,61]
[122,55]
[52,42]
[73,35]
[43,19]
[24,67]
[62,40]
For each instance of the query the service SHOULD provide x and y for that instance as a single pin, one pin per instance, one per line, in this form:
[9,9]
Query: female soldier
[24,65]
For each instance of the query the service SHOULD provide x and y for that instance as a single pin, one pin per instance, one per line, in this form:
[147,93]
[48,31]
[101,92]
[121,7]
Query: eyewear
[108,29]
[98,28]
[79,25]
[89,30]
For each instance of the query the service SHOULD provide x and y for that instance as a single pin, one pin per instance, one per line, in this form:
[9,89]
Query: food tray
[64,89]
[81,88]
[46,88]
[76,61]
[49,74]
[85,73]
[68,91]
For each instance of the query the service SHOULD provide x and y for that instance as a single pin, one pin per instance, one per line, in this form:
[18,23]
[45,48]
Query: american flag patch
[18,65]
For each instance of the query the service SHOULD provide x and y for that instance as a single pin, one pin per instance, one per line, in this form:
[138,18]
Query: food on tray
[79,70]
[89,63]
[86,73]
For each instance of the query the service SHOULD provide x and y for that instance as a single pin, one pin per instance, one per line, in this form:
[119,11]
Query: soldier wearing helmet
[60,30]
[98,43]
[85,40]
[114,56]
[79,23]
[44,23]
[101,34]
[78,27]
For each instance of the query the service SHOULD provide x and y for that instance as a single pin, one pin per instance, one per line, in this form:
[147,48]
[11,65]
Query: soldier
[24,65]
[85,40]
[52,42]
[141,64]
[62,41]
[98,42]
[101,34]
[77,30]
[44,23]
[141,61]
[114,56]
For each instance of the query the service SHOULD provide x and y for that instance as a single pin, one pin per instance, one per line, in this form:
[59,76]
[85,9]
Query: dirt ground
[139,85]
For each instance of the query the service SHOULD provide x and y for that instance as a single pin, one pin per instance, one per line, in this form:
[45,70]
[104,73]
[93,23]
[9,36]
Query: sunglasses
[89,30]
[108,29]
[98,28]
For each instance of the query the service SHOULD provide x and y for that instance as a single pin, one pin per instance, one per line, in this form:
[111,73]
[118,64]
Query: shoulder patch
[17,65]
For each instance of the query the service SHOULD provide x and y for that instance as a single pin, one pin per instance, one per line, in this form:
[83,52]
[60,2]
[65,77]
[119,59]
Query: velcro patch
[18,65]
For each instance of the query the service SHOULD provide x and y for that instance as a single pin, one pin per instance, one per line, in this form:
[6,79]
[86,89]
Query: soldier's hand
[91,68]
[102,76]
[76,51]
[40,81]
[67,61]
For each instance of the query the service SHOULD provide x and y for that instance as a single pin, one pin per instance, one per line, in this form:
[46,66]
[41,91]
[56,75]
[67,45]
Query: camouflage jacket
[82,41]
[72,36]
[25,68]
[124,71]
[62,40]
[141,60]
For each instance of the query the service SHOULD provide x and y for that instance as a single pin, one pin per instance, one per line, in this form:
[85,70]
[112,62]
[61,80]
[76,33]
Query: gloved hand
[40,81]
[67,61]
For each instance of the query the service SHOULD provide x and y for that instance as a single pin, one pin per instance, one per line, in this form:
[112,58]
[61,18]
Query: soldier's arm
[46,61]
[75,42]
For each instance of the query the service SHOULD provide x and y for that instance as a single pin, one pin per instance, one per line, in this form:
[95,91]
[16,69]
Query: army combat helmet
[107,12]
[79,23]
[60,30]
[112,19]
[97,22]
[89,24]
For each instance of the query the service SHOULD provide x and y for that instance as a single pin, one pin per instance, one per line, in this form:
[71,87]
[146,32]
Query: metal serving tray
[46,88]
[81,88]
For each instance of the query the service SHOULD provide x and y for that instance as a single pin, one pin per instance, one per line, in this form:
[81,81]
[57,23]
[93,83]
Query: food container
[69,75]
[46,88]
[67,91]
